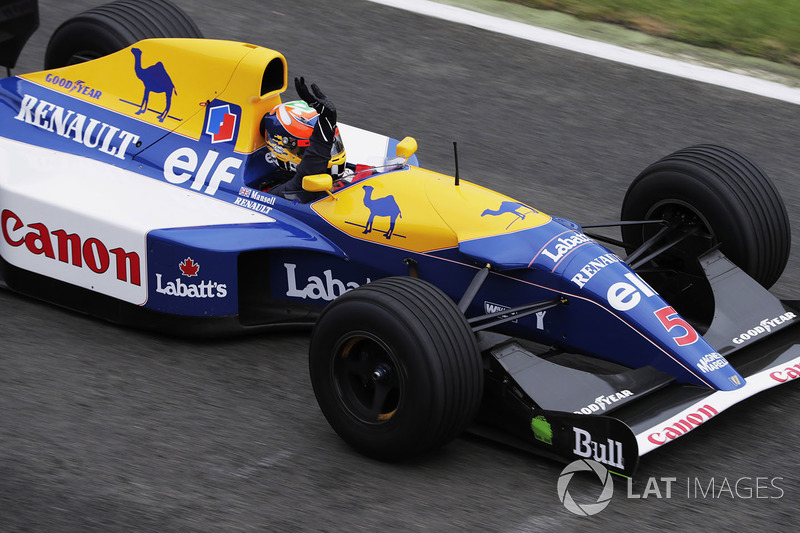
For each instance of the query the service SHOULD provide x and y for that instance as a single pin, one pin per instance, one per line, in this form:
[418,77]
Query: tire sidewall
[79,35]
[111,27]
[420,381]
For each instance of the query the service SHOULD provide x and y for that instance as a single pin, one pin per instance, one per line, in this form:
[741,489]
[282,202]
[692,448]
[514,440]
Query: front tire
[395,368]
[111,27]
[726,200]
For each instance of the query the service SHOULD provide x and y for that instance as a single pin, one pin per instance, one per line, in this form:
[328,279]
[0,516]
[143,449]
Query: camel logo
[155,80]
[222,121]
[380,207]
[514,208]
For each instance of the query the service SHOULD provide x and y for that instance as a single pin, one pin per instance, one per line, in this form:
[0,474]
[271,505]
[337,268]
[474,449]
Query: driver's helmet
[287,130]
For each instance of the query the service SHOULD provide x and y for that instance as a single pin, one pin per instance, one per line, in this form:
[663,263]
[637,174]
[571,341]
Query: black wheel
[395,368]
[111,27]
[708,195]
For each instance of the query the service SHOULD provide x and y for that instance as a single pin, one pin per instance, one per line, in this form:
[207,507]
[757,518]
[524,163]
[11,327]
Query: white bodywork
[48,198]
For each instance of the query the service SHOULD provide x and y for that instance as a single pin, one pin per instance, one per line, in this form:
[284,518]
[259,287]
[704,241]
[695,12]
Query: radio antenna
[455,155]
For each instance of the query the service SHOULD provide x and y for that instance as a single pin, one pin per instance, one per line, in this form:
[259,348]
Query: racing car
[130,190]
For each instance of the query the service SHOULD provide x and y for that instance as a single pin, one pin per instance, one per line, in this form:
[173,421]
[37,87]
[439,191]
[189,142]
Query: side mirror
[406,148]
[318,183]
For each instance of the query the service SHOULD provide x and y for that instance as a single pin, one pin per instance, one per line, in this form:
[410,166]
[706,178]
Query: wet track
[111,429]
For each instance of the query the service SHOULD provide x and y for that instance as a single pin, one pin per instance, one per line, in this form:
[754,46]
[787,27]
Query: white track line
[611,52]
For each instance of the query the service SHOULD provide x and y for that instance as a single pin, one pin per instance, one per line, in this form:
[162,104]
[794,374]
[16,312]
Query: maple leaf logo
[189,267]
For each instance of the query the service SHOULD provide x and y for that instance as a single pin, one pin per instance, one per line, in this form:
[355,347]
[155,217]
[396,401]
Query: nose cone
[590,270]
[613,313]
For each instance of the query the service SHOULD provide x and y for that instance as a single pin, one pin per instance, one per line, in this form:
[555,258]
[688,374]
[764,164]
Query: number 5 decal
[669,317]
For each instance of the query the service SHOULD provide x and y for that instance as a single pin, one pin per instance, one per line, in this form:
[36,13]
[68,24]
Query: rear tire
[395,368]
[111,27]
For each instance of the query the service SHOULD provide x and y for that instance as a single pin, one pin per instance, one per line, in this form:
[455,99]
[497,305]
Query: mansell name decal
[70,248]
[71,125]
[254,198]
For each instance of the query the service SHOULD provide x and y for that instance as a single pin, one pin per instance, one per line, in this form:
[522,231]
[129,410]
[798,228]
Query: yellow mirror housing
[407,147]
[317,183]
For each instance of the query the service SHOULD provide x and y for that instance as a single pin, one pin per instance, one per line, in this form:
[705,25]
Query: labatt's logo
[317,288]
[565,245]
[204,289]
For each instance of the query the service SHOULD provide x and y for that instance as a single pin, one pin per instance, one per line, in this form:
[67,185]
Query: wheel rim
[677,274]
[367,378]
[685,221]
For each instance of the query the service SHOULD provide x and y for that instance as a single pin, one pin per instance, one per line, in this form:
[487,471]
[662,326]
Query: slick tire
[735,202]
[111,27]
[395,368]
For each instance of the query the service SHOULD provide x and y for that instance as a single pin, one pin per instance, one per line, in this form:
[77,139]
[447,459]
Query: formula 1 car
[129,190]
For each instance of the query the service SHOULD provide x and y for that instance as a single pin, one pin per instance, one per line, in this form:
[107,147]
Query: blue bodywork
[299,260]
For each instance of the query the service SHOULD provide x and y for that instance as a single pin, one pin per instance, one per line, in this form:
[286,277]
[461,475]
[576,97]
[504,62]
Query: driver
[302,140]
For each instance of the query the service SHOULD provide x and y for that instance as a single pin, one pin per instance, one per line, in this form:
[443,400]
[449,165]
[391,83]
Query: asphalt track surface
[112,429]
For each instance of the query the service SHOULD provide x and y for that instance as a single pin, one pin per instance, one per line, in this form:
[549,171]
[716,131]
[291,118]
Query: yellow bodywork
[200,69]
[432,212]
[412,209]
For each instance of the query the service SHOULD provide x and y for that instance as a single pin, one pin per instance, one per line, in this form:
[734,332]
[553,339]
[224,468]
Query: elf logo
[625,296]
[184,164]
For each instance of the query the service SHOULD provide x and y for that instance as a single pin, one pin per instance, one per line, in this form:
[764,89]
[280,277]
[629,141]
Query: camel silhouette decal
[509,207]
[156,80]
[381,207]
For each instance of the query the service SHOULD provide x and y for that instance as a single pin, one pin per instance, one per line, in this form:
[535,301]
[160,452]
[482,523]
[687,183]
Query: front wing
[559,407]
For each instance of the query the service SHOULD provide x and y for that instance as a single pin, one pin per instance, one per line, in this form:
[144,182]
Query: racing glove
[320,103]
[316,156]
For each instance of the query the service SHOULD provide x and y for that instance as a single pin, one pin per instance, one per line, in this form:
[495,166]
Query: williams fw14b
[437,305]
